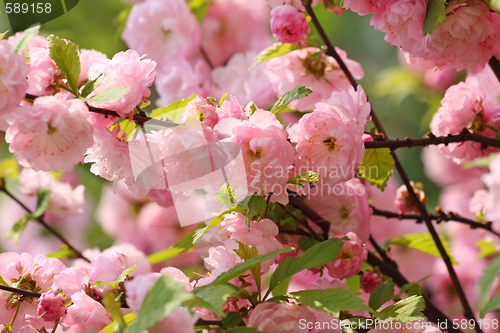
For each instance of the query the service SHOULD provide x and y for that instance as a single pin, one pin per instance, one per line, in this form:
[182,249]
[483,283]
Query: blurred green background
[94,24]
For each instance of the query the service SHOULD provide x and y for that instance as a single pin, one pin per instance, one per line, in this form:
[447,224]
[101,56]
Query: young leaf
[305,177]
[406,310]
[436,13]
[305,243]
[120,279]
[25,39]
[422,242]
[212,297]
[486,247]
[331,301]
[65,55]
[245,252]
[273,51]
[9,168]
[62,253]
[226,195]
[111,327]
[485,283]
[248,264]
[2,35]
[163,297]
[231,319]
[113,308]
[185,244]
[493,4]
[108,95]
[381,295]
[255,205]
[199,8]
[91,85]
[168,111]
[17,230]
[494,304]
[296,93]
[381,160]
[216,221]
[43,195]
[318,255]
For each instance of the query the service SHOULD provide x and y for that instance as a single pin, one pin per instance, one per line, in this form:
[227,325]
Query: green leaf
[168,111]
[108,95]
[487,248]
[296,93]
[163,297]
[436,13]
[65,55]
[480,161]
[282,288]
[231,319]
[223,98]
[111,327]
[248,264]
[494,304]
[305,243]
[331,301]
[185,244]
[42,203]
[412,288]
[226,195]
[305,177]
[246,252]
[318,255]
[423,242]
[92,85]
[485,283]
[2,35]
[377,166]
[381,295]
[2,282]
[243,330]
[113,308]
[406,310]
[357,321]
[9,168]
[256,205]
[17,229]
[22,42]
[212,297]
[199,8]
[62,253]
[216,221]
[493,4]
[273,51]
[354,282]
[120,279]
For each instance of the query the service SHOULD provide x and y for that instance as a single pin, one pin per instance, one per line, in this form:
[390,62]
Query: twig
[434,140]
[495,66]
[382,253]
[23,292]
[207,59]
[302,223]
[399,167]
[44,224]
[311,214]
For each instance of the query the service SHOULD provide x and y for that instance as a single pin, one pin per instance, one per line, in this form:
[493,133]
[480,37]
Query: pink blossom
[365,7]
[289,24]
[370,280]
[219,260]
[51,305]
[469,25]
[85,314]
[126,69]
[162,29]
[202,109]
[330,143]
[180,78]
[231,108]
[42,72]
[352,101]
[266,153]
[344,205]
[179,321]
[321,74]
[350,260]
[87,58]
[235,26]
[247,85]
[64,199]
[403,21]
[279,318]
[490,200]
[404,203]
[37,41]
[71,280]
[52,134]
[13,84]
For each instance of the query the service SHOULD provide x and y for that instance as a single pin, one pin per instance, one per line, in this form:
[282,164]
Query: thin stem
[55,326]
[15,314]
[495,66]
[23,292]
[311,214]
[302,223]
[207,59]
[399,167]
[382,253]
[434,140]
[44,224]
[438,217]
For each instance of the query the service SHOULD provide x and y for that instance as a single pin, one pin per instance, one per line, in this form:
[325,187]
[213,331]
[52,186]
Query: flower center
[315,65]
[257,154]
[344,212]
[330,144]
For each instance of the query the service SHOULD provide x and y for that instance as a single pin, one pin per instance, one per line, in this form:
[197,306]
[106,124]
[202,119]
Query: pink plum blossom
[279,318]
[487,202]
[350,259]
[370,280]
[404,203]
[43,71]
[52,134]
[289,24]
[365,7]
[72,280]
[126,69]
[51,305]
[202,109]
[37,41]
[85,314]
[87,58]
[162,29]
[321,74]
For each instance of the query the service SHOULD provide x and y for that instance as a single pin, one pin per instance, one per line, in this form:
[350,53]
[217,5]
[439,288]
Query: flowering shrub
[258,196]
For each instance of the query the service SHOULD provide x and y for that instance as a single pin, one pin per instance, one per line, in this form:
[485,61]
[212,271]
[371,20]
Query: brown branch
[207,59]
[302,223]
[43,223]
[495,66]
[434,140]
[438,217]
[399,167]
[23,292]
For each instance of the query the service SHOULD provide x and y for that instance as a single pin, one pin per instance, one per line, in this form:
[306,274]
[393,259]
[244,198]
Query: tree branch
[43,223]
[23,292]
[399,167]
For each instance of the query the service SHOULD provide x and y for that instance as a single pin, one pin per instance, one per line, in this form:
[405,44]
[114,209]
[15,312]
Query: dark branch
[303,223]
[23,292]
[495,66]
